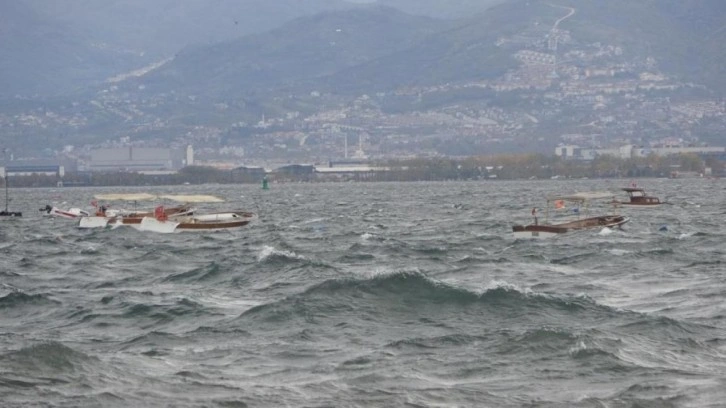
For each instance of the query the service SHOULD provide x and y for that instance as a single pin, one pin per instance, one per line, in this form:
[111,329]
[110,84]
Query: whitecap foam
[268,251]
[500,284]
[580,346]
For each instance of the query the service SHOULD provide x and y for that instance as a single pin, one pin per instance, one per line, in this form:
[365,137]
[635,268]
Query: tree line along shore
[501,167]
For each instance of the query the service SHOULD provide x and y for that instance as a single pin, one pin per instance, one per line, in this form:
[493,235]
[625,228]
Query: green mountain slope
[378,49]
[42,56]
[163,27]
[302,51]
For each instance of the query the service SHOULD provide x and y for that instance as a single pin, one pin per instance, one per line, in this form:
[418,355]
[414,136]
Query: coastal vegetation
[500,167]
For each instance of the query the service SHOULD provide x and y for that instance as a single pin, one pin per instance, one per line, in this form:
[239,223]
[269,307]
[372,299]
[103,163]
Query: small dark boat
[638,198]
[10,214]
[6,214]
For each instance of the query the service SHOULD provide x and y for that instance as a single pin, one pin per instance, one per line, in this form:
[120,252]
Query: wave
[573,259]
[163,314]
[674,329]
[271,254]
[46,358]
[413,290]
[201,274]
[708,263]
[154,343]
[19,299]
[356,257]
[437,341]
[475,260]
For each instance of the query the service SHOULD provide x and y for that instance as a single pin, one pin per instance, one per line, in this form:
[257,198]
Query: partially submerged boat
[637,198]
[582,221]
[196,222]
[163,219]
[71,213]
[107,216]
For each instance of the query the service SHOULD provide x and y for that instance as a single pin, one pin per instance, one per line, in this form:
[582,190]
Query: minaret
[190,155]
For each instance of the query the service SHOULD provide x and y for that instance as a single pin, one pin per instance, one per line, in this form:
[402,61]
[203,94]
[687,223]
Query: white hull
[215,217]
[93,222]
[194,223]
[154,225]
[534,234]
[71,213]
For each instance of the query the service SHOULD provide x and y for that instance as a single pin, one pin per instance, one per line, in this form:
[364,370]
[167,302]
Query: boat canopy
[199,198]
[583,196]
[125,197]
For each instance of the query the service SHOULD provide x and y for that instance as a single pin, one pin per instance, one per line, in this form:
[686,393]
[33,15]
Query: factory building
[139,159]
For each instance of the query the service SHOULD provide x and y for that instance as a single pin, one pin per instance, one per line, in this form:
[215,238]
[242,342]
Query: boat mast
[5,177]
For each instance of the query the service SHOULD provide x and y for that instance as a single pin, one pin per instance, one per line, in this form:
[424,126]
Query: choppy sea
[369,295]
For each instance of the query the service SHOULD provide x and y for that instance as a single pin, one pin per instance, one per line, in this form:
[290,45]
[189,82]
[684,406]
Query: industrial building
[572,152]
[30,167]
[139,159]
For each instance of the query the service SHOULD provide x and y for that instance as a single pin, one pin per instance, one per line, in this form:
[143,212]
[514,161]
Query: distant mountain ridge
[685,38]
[43,56]
[451,9]
[305,50]
[54,47]
[520,74]
[163,27]
[51,49]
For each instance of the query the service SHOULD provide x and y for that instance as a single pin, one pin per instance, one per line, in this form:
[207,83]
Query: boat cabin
[638,196]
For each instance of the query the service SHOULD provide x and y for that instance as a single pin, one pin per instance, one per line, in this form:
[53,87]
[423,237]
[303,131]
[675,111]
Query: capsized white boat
[71,213]
[196,223]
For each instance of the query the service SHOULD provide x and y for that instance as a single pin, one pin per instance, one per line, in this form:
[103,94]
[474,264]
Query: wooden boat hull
[207,226]
[636,205]
[196,223]
[551,230]
[173,223]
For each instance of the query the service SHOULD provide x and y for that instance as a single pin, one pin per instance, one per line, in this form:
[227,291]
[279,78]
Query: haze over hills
[163,27]
[301,51]
[51,47]
[46,56]
[685,38]
[521,75]
[439,9]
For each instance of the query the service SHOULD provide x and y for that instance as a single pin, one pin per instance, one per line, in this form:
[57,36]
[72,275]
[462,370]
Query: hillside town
[567,98]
